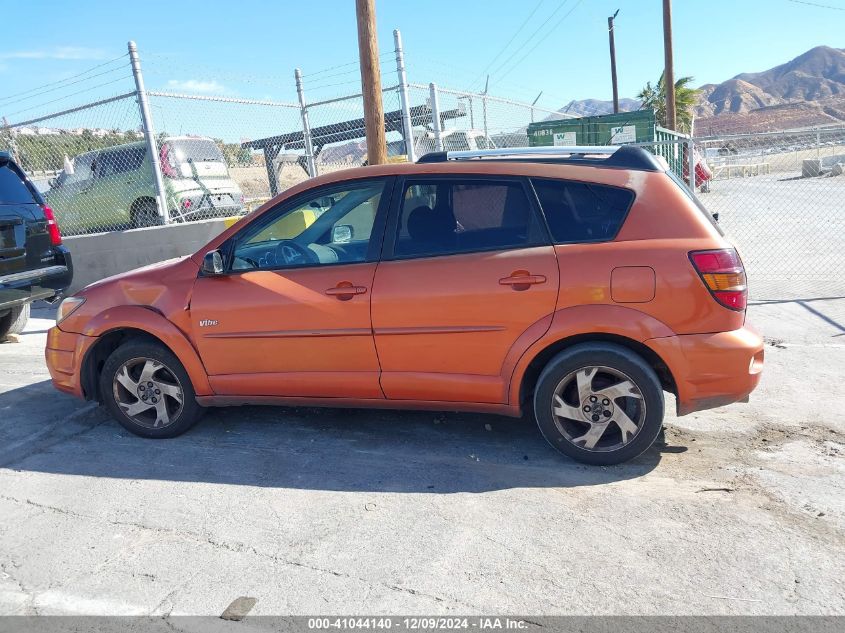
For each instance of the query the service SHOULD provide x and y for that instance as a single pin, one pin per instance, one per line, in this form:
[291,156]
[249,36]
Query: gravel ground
[739,511]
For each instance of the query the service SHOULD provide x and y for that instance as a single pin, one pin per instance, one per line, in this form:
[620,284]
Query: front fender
[153,322]
[580,320]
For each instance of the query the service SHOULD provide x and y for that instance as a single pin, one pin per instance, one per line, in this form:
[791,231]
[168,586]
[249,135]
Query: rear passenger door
[116,184]
[467,269]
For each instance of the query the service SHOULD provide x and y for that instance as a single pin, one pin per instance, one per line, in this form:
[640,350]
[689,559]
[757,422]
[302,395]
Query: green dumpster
[608,129]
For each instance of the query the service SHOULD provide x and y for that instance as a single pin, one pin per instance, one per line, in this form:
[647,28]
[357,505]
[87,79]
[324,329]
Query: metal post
[533,103]
[613,61]
[306,126]
[484,106]
[669,67]
[149,133]
[691,164]
[435,117]
[407,125]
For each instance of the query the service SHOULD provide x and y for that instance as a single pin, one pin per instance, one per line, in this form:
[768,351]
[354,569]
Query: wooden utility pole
[613,61]
[371,81]
[669,69]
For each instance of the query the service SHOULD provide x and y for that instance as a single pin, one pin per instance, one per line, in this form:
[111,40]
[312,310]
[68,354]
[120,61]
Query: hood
[139,274]
[164,287]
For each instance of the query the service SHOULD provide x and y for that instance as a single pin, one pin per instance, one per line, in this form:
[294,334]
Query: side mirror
[53,182]
[342,233]
[212,264]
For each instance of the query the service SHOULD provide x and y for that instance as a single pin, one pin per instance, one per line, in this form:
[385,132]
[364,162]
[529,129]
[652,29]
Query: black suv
[33,263]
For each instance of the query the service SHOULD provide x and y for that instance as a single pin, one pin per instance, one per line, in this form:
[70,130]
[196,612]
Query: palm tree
[654,97]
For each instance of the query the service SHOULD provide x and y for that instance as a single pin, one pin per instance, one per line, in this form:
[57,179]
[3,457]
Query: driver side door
[291,315]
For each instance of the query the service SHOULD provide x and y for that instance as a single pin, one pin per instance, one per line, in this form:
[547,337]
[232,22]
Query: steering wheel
[292,254]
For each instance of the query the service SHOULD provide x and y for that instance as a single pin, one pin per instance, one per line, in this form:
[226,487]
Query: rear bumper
[64,354]
[712,370]
[49,281]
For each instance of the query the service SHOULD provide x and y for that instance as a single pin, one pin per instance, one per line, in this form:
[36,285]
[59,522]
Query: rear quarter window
[12,189]
[582,212]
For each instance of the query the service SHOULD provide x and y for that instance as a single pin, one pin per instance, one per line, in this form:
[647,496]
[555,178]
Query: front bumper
[712,370]
[64,354]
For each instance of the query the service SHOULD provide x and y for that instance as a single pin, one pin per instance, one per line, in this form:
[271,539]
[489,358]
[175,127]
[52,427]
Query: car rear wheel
[599,404]
[145,387]
[14,321]
[145,213]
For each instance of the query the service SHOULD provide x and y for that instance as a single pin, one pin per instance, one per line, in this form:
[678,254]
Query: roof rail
[619,156]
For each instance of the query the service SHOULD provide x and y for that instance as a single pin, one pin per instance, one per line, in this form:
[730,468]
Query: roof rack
[618,156]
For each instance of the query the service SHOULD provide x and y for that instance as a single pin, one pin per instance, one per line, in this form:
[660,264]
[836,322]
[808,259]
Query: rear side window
[461,216]
[582,212]
[120,161]
[12,188]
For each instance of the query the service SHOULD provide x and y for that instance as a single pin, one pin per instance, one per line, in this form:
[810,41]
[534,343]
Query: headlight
[67,307]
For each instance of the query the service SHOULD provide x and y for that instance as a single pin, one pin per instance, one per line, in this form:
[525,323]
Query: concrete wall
[101,255]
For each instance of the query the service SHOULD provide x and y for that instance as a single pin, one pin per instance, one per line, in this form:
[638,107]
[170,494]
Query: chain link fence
[102,168]
[779,197]
[86,161]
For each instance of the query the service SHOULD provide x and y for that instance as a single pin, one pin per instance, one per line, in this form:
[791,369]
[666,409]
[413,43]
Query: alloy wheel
[148,392]
[598,408]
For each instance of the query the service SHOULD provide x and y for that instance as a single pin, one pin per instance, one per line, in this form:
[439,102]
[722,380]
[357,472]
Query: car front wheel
[599,403]
[145,387]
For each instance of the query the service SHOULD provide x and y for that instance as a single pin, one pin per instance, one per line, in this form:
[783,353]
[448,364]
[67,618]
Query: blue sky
[250,48]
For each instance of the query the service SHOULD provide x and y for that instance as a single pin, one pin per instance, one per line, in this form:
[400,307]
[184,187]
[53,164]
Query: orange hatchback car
[577,283]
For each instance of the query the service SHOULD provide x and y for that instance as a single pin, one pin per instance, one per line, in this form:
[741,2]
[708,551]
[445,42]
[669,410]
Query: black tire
[599,364]
[132,355]
[14,321]
[145,213]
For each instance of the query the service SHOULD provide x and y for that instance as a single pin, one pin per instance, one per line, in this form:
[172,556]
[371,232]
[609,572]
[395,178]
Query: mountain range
[806,91]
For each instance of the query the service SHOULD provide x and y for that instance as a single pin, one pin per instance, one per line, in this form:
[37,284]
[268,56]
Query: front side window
[582,212]
[82,170]
[333,225]
[460,216]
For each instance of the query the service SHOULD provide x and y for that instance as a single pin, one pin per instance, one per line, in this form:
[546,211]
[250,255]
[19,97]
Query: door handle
[345,291]
[521,280]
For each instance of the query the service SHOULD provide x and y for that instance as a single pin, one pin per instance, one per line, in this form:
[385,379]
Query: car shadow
[807,304]
[304,448]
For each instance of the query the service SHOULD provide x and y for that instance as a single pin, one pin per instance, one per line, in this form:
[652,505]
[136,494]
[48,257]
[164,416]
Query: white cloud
[59,52]
[196,85]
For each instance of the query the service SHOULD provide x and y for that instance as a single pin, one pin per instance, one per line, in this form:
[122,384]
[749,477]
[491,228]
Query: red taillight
[52,227]
[186,203]
[724,275]
[168,166]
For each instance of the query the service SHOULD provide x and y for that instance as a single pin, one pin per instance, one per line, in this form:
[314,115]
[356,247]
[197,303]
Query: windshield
[196,150]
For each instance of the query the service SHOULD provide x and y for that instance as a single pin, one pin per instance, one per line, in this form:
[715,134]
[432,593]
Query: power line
[43,92]
[62,81]
[355,63]
[510,41]
[73,94]
[818,5]
[541,40]
[530,37]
